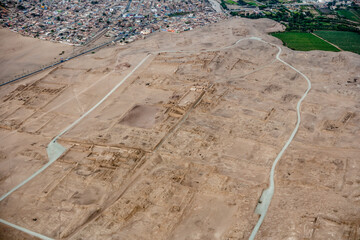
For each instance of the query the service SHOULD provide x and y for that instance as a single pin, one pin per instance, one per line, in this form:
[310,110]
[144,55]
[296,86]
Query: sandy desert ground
[22,54]
[183,149]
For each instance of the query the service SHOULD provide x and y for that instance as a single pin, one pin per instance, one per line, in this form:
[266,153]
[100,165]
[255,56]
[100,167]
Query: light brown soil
[25,54]
[183,149]
[141,116]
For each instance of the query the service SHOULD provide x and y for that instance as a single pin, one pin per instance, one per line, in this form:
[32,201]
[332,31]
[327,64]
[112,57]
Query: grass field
[348,41]
[252,4]
[349,14]
[231,2]
[304,41]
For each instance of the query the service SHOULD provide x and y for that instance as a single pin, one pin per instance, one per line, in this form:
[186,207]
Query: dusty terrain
[183,149]
[24,54]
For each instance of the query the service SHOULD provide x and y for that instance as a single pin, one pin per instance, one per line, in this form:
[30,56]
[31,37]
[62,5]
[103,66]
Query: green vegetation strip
[349,14]
[304,41]
[177,14]
[348,41]
[230,2]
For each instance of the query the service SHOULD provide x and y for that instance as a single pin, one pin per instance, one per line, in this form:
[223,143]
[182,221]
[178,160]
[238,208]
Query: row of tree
[304,21]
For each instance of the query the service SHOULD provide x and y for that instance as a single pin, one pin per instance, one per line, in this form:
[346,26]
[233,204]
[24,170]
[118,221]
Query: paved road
[62,61]
[55,150]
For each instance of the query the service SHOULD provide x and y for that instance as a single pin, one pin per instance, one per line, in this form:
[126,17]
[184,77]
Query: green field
[304,41]
[230,2]
[348,41]
[349,14]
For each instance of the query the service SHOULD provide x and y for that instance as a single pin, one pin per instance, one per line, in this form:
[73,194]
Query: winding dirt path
[268,193]
[55,150]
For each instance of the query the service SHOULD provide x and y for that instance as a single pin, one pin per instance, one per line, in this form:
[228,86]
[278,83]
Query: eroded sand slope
[25,54]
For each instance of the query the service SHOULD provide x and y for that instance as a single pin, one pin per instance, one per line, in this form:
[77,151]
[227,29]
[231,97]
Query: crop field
[348,41]
[304,41]
[349,14]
